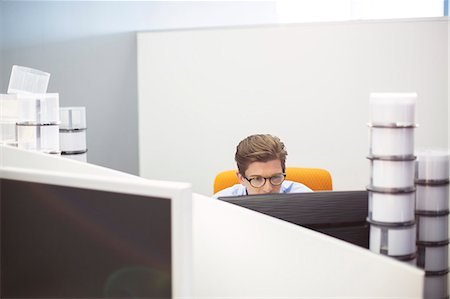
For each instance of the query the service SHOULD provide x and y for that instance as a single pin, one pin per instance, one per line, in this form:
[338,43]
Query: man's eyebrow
[258,175]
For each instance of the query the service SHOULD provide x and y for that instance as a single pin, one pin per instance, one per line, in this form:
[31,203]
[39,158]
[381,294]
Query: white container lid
[9,108]
[72,118]
[393,108]
[432,165]
[38,108]
[27,80]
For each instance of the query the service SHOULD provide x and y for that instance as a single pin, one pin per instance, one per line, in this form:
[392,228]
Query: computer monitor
[77,235]
[340,214]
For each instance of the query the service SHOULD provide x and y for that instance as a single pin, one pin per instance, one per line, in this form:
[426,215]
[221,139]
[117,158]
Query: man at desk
[261,162]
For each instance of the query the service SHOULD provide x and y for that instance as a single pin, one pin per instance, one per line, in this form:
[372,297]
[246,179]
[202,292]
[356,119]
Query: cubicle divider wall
[306,83]
[241,253]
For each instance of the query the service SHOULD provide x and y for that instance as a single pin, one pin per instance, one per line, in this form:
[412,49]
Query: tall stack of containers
[38,112]
[38,124]
[391,189]
[72,133]
[432,212]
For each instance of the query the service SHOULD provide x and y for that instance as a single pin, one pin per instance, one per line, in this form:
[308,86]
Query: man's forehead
[264,168]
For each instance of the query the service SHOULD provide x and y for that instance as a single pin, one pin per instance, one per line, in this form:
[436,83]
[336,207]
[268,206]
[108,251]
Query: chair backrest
[315,178]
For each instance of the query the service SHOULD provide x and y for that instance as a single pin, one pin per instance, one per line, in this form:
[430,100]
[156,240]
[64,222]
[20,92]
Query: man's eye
[257,179]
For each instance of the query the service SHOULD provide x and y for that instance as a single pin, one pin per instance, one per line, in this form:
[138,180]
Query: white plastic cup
[386,141]
[393,108]
[391,207]
[432,228]
[38,108]
[435,258]
[72,118]
[432,197]
[77,157]
[43,138]
[433,165]
[27,80]
[436,286]
[396,241]
[395,174]
[72,140]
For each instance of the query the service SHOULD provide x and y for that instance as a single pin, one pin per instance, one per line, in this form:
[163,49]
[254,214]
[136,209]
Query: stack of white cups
[432,212]
[391,189]
[72,133]
[37,126]
[38,123]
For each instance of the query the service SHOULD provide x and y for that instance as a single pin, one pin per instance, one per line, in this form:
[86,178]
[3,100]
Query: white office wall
[89,47]
[202,91]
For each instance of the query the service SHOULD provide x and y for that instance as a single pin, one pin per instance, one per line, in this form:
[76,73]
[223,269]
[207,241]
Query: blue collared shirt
[286,187]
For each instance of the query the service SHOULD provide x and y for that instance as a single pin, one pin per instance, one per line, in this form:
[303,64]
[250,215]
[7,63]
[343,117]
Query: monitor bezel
[179,194]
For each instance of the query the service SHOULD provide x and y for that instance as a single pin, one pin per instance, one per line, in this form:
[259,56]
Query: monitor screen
[68,242]
[340,214]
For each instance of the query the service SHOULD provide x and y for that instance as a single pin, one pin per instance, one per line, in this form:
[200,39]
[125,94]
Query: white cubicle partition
[15,157]
[203,90]
[240,253]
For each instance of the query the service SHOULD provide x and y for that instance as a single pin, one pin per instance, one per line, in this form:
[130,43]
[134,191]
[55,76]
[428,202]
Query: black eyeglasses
[259,181]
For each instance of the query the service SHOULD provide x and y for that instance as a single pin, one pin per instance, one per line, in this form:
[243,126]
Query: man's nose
[267,186]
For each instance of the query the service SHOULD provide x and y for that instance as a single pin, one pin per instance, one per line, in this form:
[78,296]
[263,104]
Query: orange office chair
[315,178]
